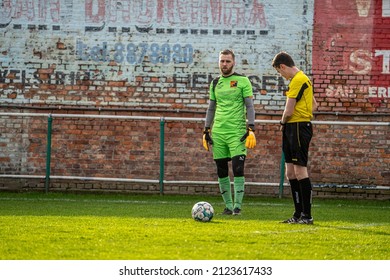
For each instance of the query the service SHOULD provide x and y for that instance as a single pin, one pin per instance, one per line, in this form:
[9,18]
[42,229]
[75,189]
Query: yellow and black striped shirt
[301,89]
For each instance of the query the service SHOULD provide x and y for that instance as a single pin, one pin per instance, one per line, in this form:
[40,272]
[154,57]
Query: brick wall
[351,56]
[156,58]
[144,54]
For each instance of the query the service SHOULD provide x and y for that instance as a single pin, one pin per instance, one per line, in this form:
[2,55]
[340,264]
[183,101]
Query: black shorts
[296,141]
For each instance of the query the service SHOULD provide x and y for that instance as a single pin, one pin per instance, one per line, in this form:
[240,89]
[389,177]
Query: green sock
[239,184]
[224,187]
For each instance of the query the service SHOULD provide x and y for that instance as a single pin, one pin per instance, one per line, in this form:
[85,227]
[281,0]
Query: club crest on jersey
[233,83]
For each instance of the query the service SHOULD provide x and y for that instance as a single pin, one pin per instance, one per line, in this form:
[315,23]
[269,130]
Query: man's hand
[207,138]
[282,125]
[249,136]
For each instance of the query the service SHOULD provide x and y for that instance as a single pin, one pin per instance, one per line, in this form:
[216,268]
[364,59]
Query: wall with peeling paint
[351,55]
[145,53]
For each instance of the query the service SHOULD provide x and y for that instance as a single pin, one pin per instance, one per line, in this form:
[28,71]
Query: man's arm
[315,104]
[249,136]
[250,110]
[288,110]
[206,140]
[210,113]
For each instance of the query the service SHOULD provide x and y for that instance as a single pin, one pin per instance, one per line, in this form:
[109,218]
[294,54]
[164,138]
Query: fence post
[48,152]
[162,137]
[282,172]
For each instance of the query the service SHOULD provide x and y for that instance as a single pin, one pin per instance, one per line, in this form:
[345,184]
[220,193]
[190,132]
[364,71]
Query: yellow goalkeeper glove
[250,138]
[207,138]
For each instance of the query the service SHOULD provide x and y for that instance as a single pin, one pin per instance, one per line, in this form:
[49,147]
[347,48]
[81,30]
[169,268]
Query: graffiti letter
[216,12]
[95,11]
[257,14]
[386,60]
[382,92]
[360,63]
[363,7]
[24,7]
[385,8]
[144,12]
[5,11]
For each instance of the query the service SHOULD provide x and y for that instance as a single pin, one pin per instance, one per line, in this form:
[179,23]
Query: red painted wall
[351,55]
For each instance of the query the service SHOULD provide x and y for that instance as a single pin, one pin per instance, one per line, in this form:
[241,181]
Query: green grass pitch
[37,226]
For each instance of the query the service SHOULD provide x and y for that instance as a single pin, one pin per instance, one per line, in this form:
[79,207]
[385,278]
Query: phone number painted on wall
[133,53]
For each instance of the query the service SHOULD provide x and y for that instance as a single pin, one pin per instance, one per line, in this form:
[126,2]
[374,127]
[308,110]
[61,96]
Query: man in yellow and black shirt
[297,133]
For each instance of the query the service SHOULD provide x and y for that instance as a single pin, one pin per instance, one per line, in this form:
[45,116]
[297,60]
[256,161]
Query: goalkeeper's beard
[226,71]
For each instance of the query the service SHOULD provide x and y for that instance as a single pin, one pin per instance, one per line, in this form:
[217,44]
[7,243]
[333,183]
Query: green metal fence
[161,181]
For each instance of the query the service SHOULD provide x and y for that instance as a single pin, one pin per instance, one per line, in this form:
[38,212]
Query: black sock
[297,197]
[306,196]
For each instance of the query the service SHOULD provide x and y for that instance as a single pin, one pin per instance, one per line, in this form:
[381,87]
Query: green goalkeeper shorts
[228,146]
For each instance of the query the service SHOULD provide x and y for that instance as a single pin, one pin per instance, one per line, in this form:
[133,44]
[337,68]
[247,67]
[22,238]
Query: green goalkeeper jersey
[229,94]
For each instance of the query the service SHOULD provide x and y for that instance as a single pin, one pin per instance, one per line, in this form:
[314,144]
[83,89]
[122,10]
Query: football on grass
[202,211]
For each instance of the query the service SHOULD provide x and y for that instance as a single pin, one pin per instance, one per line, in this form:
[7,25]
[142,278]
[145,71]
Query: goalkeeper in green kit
[230,105]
